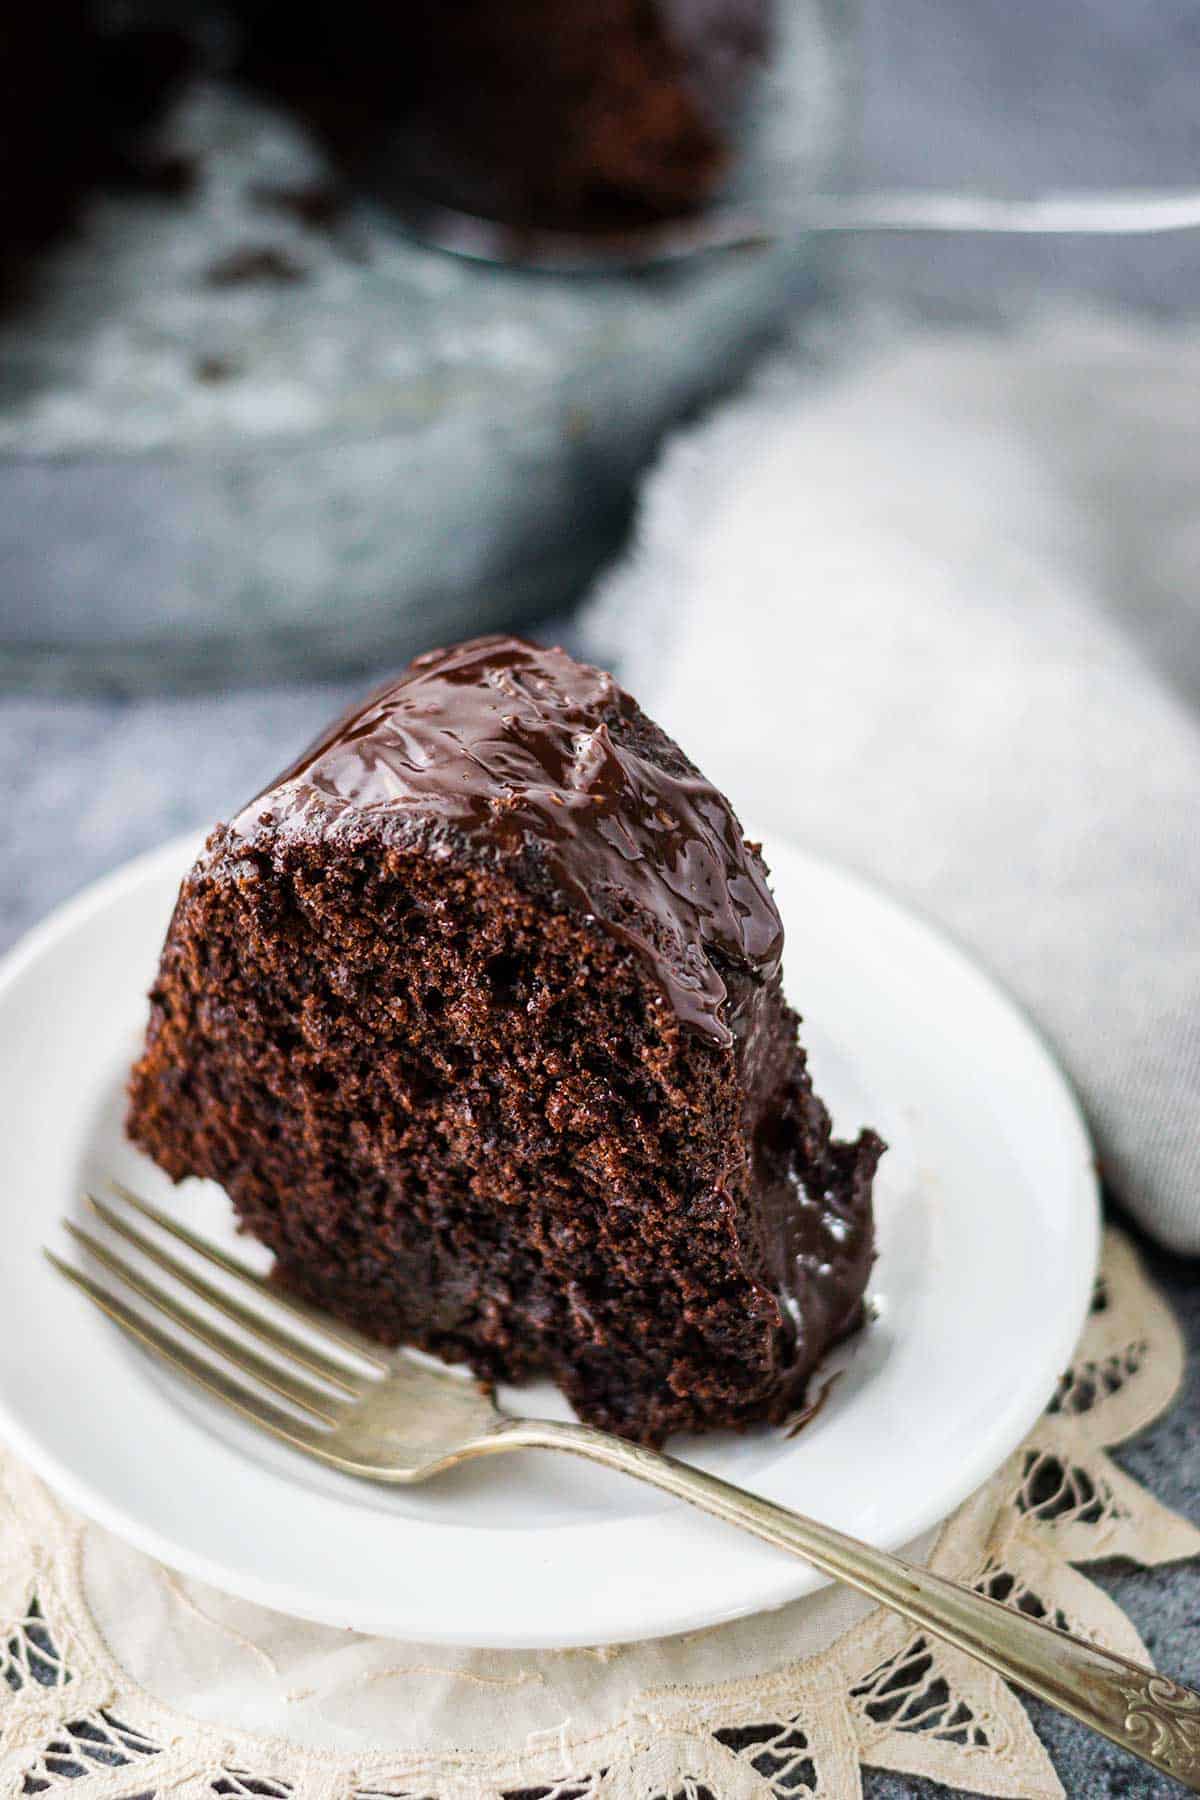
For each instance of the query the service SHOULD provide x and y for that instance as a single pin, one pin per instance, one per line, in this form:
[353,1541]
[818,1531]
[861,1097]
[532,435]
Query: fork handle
[1146,1713]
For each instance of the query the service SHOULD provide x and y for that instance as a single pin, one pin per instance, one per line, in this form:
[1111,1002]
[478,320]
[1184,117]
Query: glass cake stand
[236,446]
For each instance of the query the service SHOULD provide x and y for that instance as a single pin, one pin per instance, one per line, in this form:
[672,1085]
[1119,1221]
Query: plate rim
[76,1489]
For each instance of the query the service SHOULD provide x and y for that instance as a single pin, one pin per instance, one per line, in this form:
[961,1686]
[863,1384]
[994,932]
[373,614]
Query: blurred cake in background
[597,114]
[252,426]
[82,91]
[601,114]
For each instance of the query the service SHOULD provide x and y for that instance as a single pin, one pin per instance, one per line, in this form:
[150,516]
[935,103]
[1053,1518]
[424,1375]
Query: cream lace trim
[72,1718]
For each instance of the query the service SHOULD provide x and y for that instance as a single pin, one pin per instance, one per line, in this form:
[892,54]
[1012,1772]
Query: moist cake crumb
[476,1014]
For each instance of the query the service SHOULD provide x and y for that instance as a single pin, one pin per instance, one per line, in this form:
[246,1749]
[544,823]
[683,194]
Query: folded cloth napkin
[935,611]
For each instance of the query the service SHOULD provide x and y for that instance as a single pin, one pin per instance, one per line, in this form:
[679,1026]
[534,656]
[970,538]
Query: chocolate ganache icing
[528,754]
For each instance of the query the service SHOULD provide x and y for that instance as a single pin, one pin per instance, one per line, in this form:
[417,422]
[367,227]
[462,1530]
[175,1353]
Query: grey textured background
[1007,94]
[1015,96]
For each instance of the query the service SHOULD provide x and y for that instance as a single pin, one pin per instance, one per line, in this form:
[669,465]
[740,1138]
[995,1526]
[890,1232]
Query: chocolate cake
[476,1014]
[600,114]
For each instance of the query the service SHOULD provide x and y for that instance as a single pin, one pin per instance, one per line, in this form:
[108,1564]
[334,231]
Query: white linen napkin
[937,614]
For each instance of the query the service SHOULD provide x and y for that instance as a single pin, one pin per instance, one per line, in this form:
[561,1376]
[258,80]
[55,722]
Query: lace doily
[122,1679]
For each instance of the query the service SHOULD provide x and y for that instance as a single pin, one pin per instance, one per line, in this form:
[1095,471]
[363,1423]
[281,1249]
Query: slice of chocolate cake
[477,1016]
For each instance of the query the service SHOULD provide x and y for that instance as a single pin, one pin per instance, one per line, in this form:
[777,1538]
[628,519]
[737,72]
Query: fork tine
[252,1406]
[315,1320]
[251,1320]
[294,1388]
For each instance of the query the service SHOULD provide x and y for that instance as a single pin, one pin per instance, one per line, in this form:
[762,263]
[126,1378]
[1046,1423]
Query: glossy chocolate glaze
[528,754]
[644,1200]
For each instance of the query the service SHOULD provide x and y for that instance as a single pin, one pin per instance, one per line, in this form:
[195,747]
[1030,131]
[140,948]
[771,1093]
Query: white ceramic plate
[987,1218]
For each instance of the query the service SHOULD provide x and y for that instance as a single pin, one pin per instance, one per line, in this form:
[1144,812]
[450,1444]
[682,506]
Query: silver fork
[391,1419]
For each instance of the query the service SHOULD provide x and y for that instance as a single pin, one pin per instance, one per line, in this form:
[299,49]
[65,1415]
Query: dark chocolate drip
[523,749]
